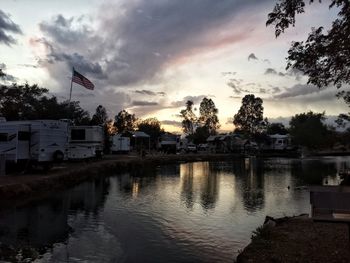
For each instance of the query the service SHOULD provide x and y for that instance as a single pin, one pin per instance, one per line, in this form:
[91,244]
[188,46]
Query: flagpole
[71,85]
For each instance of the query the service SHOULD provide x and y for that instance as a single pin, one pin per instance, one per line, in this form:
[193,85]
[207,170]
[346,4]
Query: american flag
[81,80]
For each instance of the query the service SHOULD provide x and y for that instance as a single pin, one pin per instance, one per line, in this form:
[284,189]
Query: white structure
[40,141]
[280,142]
[169,142]
[120,144]
[85,142]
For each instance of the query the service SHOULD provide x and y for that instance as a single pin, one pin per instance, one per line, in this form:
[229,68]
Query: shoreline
[33,186]
[29,186]
[297,239]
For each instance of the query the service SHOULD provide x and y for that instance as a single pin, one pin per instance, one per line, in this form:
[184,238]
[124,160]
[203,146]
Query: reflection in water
[190,212]
[43,224]
[199,179]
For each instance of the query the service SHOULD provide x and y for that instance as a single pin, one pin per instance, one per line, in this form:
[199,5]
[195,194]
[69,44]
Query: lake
[188,212]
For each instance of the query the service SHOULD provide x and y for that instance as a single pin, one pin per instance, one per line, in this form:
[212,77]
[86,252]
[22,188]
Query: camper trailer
[120,144]
[168,142]
[85,142]
[38,141]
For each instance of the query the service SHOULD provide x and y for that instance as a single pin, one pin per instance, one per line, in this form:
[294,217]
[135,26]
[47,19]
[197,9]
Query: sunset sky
[151,56]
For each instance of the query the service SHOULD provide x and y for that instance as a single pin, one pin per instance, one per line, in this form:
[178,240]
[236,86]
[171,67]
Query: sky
[151,56]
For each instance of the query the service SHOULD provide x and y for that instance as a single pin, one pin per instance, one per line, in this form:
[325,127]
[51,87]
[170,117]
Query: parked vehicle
[37,141]
[120,144]
[191,148]
[85,142]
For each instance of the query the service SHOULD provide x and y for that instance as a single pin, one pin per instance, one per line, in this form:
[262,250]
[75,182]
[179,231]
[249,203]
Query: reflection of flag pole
[71,85]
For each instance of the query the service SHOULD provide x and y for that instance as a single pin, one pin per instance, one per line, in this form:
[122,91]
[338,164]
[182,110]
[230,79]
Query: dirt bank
[298,240]
[31,186]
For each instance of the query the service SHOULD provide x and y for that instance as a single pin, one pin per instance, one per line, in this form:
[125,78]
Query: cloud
[5,77]
[267,61]
[235,84]
[150,92]
[252,56]
[270,71]
[228,73]
[133,47]
[298,90]
[170,122]
[8,26]
[143,103]
[182,103]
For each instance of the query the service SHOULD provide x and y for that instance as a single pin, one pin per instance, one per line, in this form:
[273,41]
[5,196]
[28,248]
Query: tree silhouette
[152,127]
[276,128]
[30,102]
[308,129]
[324,56]
[208,116]
[125,122]
[100,117]
[249,118]
[189,118]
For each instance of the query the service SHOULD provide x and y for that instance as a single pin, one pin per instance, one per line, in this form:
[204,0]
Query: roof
[140,134]
[279,136]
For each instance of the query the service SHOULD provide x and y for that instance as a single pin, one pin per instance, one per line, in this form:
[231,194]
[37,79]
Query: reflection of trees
[209,189]
[42,224]
[137,179]
[249,172]
[199,179]
[313,171]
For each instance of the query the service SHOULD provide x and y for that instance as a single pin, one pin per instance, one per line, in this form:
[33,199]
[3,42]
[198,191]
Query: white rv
[40,141]
[85,142]
[120,144]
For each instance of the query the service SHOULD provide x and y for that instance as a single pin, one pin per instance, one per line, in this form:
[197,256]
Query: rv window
[78,134]
[23,136]
[3,137]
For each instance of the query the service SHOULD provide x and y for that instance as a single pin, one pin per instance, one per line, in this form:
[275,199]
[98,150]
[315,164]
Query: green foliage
[308,129]
[30,102]
[262,233]
[249,119]
[208,116]
[125,122]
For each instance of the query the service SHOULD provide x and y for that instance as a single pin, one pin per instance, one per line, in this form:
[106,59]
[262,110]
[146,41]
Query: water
[190,212]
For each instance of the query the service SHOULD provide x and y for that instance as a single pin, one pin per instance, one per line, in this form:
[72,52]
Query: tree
[325,56]
[189,118]
[100,117]
[200,135]
[249,119]
[125,122]
[308,129]
[30,102]
[276,128]
[152,127]
[208,116]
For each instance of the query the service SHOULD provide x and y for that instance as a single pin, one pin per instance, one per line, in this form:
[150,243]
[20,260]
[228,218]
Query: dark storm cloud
[143,103]
[7,26]
[133,41]
[80,63]
[61,30]
[298,90]
[252,56]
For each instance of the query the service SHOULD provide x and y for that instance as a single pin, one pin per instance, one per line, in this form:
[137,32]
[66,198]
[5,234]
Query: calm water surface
[190,212]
